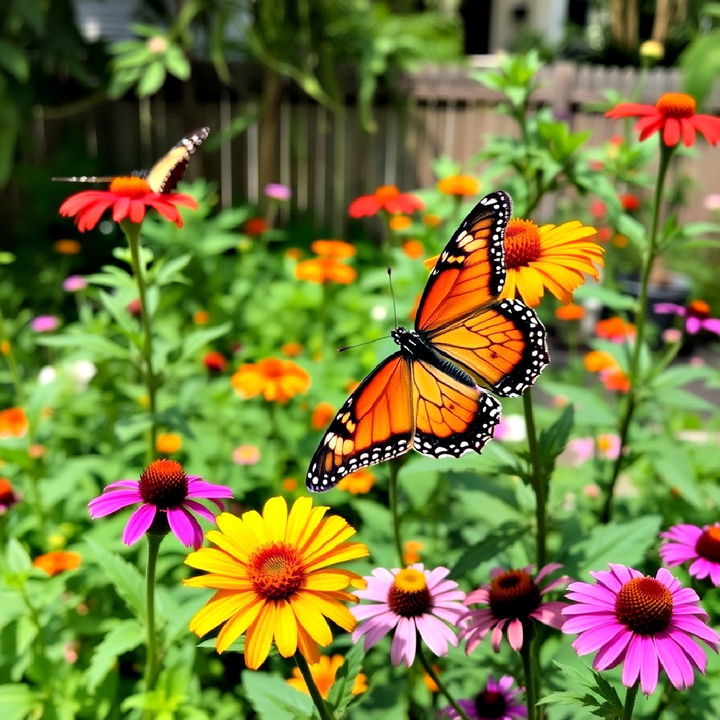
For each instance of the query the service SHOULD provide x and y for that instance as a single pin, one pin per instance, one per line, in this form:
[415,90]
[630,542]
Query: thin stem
[435,678]
[640,318]
[6,349]
[630,696]
[394,467]
[538,481]
[132,232]
[530,686]
[152,661]
[322,707]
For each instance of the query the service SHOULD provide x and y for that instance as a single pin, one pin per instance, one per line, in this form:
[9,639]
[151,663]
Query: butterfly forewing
[470,271]
[165,174]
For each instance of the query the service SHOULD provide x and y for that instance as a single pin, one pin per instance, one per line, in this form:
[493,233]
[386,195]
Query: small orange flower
[214,361]
[615,329]
[460,185]
[432,220]
[412,551]
[323,413]
[598,360]
[201,317]
[357,483]
[276,380]
[630,202]
[67,246]
[289,484]
[398,223]
[611,374]
[615,380]
[5,347]
[385,197]
[413,249]
[323,673]
[293,253]
[13,423]
[571,311]
[323,270]
[338,249]
[291,349]
[620,240]
[168,443]
[430,684]
[255,226]
[57,561]
[36,451]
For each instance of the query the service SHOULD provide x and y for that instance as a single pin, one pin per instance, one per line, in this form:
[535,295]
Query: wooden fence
[327,159]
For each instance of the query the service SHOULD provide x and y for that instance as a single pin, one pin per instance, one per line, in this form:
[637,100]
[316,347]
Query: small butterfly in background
[165,174]
[430,396]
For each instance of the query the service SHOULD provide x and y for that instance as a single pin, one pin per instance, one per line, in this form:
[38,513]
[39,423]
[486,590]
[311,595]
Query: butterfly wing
[165,174]
[470,271]
[374,424]
[452,414]
[503,347]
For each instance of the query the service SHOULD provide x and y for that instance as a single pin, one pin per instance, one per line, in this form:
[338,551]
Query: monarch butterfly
[430,395]
[165,174]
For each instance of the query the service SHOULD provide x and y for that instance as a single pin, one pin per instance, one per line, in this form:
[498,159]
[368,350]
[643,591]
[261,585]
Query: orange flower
[8,496]
[338,249]
[323,673]
[67,247]
[168,443]
[630,202]
[552,257]
[201,317]
[430,684]
[325,270]
[293,253]
[598,360]
[57,561]
[291,349]
[615,329]
[431,220]
[570,312]
[615,380]
[255,226]
[13,422]
[357,483]
[399,222]
[412,551]
[214,361]
[611,374]
[388,198]
[413,249]
[276,380]
[460,185]
[323,413]
[289,484]
[5,347]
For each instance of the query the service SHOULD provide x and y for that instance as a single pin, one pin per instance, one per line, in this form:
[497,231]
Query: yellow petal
[215,561]
[227,544]
[222,605]
[310,619]
[329,580]
[221,582]
[259,637]
[314,520]
[342,553]
[286,635]
[256,524]
[275,515]
[338,613]
[239,623]
[238,532]
[297,520]
[307,646]
[332,532]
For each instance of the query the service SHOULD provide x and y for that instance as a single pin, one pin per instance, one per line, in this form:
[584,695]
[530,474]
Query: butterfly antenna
[343,348]
[392,294]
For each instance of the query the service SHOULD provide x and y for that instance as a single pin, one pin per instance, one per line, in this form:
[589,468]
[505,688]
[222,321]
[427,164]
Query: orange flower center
[699,309]
[276,571]
[130,186]
[163,483]
[273,369]
[676,105]
[386,192]
[409,595]
[708,544]
[513,594]
[644,605]
[490,704]
[522,243]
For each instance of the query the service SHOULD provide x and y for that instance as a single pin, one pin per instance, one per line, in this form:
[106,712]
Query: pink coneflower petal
[123,484]
[363,612]
[515,634]
[182,524]
[200,510]
[112,502]
[205,490]
[435,634]
[712,325]
[403,644]
[139,523]
[613,651]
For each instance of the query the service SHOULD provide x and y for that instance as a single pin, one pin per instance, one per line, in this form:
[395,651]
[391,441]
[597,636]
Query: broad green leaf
[274,699]
[552,440]
[340,695]
[152,79]
[488,549]
[171,270]
[126,635]
[14,60]
[18,701]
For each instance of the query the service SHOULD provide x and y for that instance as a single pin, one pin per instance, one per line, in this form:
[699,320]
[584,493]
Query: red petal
[648,126]
[709,126]
[631,110]
[404,203]
[80,200]
[167,210]
[181,199]
[363,206]
[88,218]
[137,210]
[687,129]
[671,131]
[120,208]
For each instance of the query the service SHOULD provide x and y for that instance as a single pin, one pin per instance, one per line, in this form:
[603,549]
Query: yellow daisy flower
[273,580]
[552,257]
[323,673]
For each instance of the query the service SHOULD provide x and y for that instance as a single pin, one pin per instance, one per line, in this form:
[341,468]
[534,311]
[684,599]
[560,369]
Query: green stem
[640,318]
[152,661]
[530,686]
[322,707]
[39,648]
[630,696]
[538,481]
[11,361]
[393,491]
[132,232]
[441,687]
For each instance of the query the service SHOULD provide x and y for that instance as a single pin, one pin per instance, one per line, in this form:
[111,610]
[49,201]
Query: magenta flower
[167,495]
[74,283]
[513,597]
[44,323]
[276,191]
[643,622]
[412,601]
[699,544]
[498,701]
[696,314]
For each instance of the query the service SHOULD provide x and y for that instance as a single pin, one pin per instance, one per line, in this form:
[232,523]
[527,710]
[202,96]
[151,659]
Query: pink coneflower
[642,622]
[701,545]
[44,323]
[276,191]
[696,314]
[512,597]
[74,283]
[412,601]
[167,495]
[498,701]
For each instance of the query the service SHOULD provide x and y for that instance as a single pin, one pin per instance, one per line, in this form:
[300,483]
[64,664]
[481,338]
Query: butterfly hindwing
[374,424]
[502,347]
[470,271]
[165,174]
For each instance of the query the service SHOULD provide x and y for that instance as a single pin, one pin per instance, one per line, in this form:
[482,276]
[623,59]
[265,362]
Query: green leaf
[171,271]
[200,338]
[552,440]
[95,346]
[125,578]
[494,543]
[176,62]
[14,60]
[152,79]
[18,701]
[126,635]
[274,699]
[340,695]
[17,560]
[607,296]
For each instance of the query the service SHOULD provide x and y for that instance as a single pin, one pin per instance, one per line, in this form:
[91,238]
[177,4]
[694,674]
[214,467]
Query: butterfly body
[430,395]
